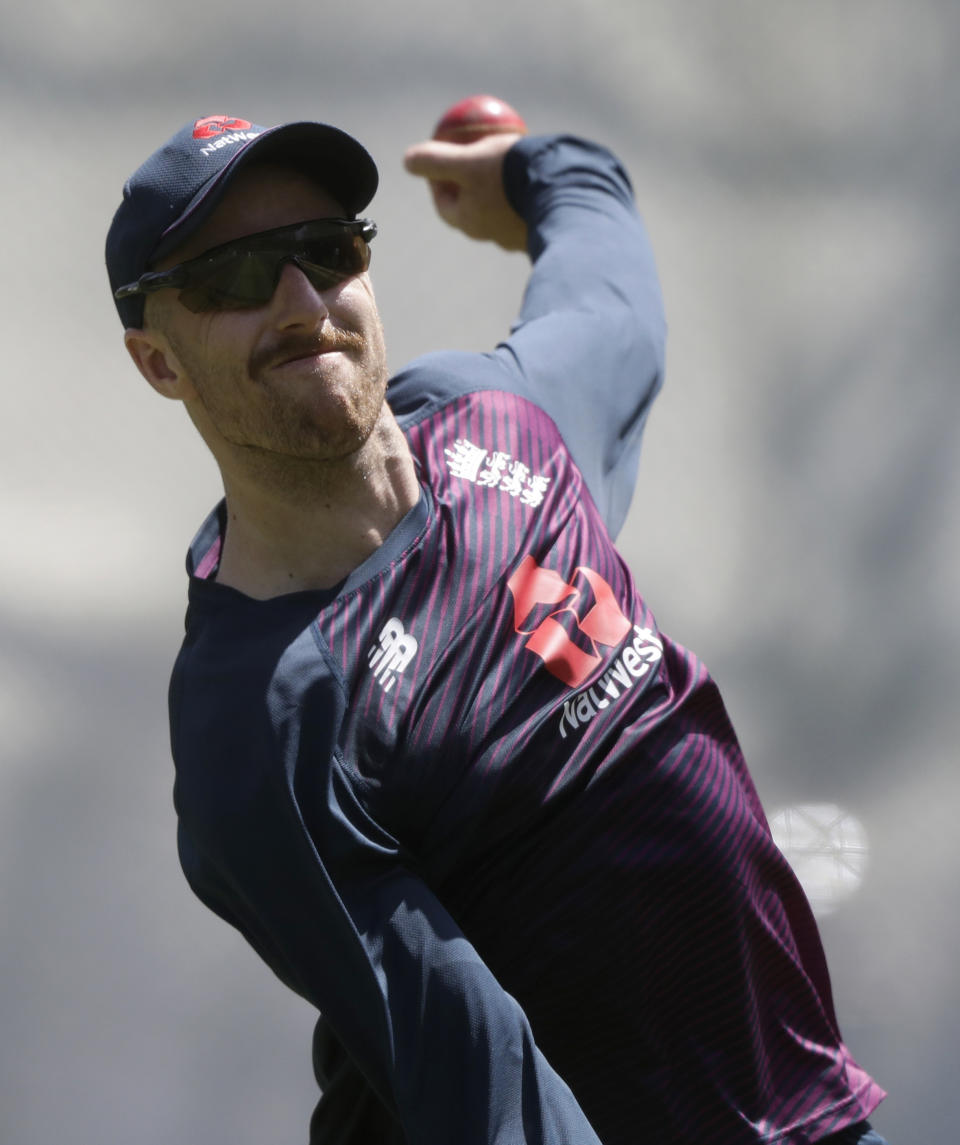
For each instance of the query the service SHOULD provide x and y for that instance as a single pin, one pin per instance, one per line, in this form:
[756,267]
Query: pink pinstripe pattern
[469,769]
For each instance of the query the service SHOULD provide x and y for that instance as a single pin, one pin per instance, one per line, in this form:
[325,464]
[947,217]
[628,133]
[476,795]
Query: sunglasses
[244,274]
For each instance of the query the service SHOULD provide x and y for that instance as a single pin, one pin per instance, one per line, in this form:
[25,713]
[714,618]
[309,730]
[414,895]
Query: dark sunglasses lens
[329,261]
[237,281]
[240,279]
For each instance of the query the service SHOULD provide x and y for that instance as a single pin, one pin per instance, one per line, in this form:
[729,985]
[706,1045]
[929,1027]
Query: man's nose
[296,301]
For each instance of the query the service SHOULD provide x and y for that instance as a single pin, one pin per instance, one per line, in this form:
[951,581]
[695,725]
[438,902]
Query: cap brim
[335,159]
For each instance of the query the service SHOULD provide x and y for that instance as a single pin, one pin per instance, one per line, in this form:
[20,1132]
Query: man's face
[302,376]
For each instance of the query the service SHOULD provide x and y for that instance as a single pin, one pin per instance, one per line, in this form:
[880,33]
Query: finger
[433,159]
[436,159]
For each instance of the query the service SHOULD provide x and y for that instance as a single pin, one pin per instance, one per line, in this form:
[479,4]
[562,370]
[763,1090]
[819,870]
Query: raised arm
[588,343]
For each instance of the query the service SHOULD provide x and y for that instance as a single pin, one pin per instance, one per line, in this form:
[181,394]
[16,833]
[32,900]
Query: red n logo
[603,623]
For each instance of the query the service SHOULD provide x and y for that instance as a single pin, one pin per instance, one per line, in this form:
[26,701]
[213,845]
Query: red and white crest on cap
[212,125]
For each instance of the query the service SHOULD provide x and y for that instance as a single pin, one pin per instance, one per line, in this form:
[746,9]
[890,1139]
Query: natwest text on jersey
[632,664]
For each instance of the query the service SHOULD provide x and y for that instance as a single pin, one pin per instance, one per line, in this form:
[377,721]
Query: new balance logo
[392,653]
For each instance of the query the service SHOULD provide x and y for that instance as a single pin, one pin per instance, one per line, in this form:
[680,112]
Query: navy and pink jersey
[473,804]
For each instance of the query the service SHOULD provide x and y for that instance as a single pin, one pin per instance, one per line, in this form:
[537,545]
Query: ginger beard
[297,403]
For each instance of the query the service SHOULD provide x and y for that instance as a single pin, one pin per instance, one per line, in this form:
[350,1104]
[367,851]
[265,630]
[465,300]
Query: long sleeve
[590,336]
[282,849]
[588,344]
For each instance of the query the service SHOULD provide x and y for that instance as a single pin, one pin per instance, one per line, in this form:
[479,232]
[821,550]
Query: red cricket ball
[476,116]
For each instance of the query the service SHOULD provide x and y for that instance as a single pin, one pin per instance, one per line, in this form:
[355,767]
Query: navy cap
[172,193]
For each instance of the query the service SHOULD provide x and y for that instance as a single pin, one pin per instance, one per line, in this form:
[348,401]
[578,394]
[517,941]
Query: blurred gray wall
[796,520]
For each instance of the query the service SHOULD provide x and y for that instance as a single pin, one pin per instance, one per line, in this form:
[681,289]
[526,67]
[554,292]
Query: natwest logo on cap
[212,125]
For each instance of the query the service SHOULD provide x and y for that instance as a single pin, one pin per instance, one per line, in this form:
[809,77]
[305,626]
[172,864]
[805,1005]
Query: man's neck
[307,525]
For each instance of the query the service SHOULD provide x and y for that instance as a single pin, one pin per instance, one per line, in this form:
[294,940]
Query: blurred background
[796,520]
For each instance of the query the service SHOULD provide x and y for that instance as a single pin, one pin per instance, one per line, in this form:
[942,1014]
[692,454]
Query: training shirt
[472,804]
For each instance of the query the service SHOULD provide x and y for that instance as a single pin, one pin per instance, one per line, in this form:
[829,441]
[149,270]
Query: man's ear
[154,358]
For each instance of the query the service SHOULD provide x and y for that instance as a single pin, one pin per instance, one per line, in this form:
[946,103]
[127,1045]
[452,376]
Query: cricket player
[435,760]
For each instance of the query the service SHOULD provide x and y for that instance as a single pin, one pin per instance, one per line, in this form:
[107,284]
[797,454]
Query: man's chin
[310,445]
